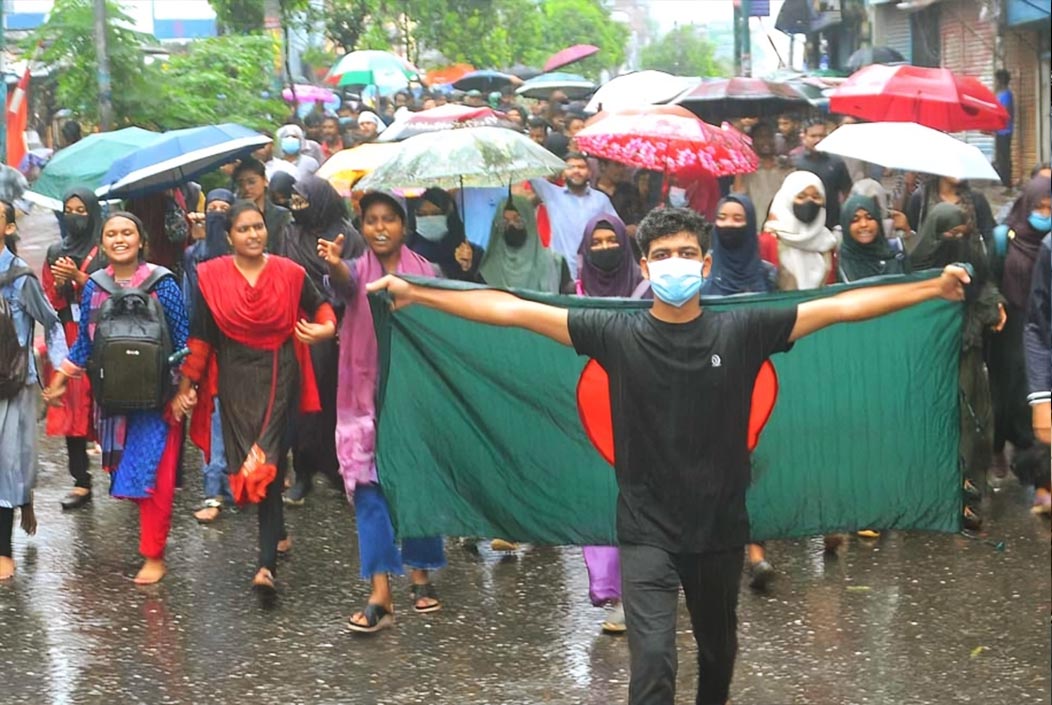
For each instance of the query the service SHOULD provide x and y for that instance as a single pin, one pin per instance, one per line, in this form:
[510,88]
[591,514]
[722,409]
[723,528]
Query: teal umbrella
[85,163]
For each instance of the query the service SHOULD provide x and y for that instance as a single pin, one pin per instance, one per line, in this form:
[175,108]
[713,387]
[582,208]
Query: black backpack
[14,359]
[128,367]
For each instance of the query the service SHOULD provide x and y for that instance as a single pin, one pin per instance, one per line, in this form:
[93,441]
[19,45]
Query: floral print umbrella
[668,139]
[464,157]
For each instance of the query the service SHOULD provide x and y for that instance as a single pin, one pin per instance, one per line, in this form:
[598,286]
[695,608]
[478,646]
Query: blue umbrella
[177,157]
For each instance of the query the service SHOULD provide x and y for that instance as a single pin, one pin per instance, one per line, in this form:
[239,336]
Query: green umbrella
[464,157]
[85,163]
[369,67]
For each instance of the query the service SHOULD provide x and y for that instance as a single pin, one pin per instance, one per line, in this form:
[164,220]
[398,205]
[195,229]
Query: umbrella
[178,156]
[444,117]
[668,138]
[346,167]
[631,90]
[307,93]
[486,81]
[570,55]
[447,74]
[571,84]
[725,98]
[910,147]
[524,72]
[386,71]
[472,156]
[874,55]
[85,163]
[933,97]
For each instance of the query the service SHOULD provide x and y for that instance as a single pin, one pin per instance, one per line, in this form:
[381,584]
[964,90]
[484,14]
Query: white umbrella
[633,90]
[910,147]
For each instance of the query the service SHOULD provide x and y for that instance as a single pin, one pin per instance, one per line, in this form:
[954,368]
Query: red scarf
[262,316]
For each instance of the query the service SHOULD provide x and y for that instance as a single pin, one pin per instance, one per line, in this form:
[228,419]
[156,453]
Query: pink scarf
[359,366]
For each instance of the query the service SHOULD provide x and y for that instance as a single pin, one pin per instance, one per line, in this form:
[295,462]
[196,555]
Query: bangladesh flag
[487,431]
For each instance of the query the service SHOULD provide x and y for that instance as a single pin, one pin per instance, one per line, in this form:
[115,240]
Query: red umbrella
[932,97]
[569,55]
[669,139]
[725,98]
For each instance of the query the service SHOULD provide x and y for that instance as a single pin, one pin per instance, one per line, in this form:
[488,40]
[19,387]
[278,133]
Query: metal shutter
[893,30]
[968,49]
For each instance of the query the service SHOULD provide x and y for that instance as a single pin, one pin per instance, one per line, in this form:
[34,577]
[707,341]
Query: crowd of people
[264,283]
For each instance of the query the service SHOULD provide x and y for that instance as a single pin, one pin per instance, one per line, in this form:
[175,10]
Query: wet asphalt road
[905,619]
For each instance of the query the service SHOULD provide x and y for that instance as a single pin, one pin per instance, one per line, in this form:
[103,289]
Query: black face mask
[76,224]
[807,211]
[302,216]
[514,237]
[608,260]
[731,237]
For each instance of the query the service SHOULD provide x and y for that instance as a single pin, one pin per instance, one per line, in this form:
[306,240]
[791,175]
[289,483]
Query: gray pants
[650,581]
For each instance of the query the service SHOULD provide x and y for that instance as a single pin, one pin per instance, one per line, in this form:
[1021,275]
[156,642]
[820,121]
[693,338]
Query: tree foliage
[569,22]
[246,16]
[68,38]
[684,51]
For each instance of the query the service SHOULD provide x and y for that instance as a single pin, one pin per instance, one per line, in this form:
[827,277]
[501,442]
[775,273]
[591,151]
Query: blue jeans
[377,548]
[215,479]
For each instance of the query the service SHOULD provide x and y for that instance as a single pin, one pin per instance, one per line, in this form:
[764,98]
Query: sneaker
[760,575]
[615,621]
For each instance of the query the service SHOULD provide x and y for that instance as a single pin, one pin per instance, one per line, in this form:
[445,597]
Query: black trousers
[650,582]
[272,521]
[1008,388]
[314,435]
[1003,158]
[77,450]
[7,525]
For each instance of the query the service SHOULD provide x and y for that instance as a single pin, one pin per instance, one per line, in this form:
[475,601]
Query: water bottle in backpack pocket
[129,367]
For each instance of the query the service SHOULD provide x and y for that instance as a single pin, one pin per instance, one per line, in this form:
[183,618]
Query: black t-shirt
[680,396]
[835,177]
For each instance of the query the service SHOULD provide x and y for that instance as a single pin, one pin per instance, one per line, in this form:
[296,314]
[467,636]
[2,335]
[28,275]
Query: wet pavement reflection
[904,619]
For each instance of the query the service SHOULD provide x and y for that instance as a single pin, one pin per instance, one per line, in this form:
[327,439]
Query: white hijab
[802,247]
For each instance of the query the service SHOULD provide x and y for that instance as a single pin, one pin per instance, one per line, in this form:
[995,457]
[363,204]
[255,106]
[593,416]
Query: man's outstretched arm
[495,308]
[874,301]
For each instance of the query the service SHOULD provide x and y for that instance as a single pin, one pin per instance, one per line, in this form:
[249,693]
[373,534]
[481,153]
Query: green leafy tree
[246,16]
[69,45]
[224,79]
[683,51]
[569,22]
[347,21]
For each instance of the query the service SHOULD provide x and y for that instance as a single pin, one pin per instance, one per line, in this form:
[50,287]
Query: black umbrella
[485,81]
[874,55]
[524,72]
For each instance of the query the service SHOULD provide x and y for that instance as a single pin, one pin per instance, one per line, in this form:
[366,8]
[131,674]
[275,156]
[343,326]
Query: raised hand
[331,250]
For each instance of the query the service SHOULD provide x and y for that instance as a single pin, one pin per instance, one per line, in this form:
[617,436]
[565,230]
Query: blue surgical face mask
[431,227]
[1040,223]
[290,145]
[675,280]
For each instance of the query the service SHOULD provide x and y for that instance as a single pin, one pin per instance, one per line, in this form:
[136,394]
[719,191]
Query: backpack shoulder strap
[105,282]
[14,272]
[150,283]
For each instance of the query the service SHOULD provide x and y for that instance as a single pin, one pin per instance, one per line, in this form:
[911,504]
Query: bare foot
[7,568]
[284,545]
[264,579]
[151,572]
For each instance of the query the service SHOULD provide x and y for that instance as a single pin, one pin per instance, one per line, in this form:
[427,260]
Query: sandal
[210,503]
[377,617]
[263,582]
[425,591]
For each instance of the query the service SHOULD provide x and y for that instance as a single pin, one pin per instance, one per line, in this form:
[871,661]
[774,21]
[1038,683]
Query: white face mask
[677,197]
[431,227]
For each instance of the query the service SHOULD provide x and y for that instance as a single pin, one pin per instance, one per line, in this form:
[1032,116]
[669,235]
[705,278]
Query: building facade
[168,20]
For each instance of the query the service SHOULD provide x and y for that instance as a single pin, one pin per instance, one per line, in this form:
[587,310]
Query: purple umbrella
[306,93]
[569,55]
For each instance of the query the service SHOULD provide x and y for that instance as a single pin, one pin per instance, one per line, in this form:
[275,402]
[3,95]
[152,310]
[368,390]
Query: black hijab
[78,246]
[282,183]
[325,217]
[736,264]
[442,252]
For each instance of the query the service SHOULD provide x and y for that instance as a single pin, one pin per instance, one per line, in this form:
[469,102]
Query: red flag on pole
[17,115]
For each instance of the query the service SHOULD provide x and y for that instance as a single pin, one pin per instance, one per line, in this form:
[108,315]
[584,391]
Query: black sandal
[210,503]
[425,591]
[377,617]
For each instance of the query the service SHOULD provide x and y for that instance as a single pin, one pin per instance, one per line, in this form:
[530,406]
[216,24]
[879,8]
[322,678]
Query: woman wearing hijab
[1028,223]
[946,237]
[140,449]
[279,188]
[384,225]
[945,189]
[209,233]
[515,258]
[248,346]
[864,250]
[25,301]
[438,237]
[795,238]
[318,213]
[69,264]
[608,268]
[736,264]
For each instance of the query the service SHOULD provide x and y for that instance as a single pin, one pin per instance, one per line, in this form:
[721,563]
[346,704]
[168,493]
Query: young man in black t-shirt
[681,380]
